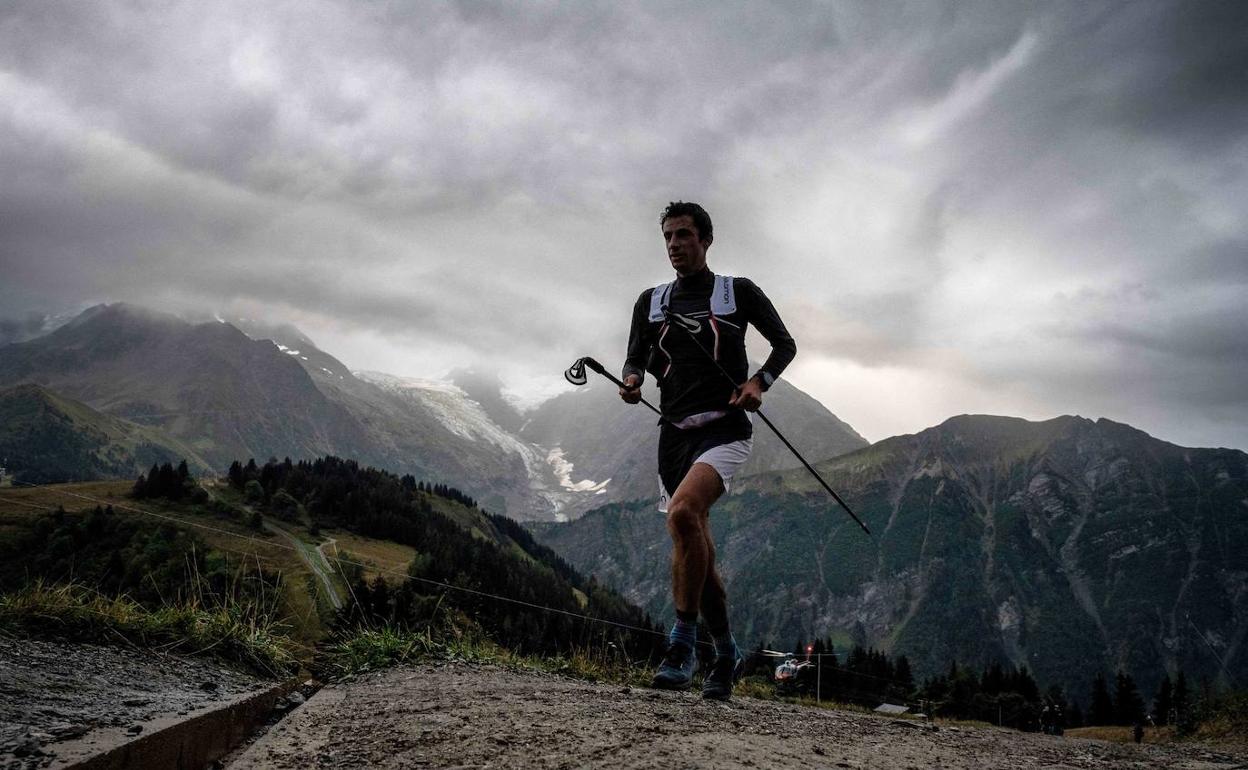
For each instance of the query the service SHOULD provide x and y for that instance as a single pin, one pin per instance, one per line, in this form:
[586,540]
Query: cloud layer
[1022,209]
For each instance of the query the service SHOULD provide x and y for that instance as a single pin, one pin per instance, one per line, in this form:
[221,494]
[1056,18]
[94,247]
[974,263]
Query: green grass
[374,649]
[236,632]
[1220,720]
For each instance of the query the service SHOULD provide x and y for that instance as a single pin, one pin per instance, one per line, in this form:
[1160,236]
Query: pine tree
[1074,717]
[1101,711]
[1164,701]
[1182,698]
[1022,683]
[904,677]
[1128,705]
[993,681]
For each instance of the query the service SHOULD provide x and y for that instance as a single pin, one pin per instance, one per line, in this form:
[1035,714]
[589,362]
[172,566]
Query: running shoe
[676,671]
[724,673]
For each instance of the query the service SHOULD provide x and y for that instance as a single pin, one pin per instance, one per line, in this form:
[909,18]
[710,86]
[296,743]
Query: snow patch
[286,350]
[563,471]
[456,412]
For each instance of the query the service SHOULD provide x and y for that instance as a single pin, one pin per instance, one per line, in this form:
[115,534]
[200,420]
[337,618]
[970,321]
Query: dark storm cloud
[1022,198]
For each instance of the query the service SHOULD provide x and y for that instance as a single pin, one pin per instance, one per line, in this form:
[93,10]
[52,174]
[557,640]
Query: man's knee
[684,519]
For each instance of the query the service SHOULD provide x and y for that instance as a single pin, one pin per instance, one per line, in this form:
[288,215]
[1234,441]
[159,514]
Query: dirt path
[471,716]
[314,557]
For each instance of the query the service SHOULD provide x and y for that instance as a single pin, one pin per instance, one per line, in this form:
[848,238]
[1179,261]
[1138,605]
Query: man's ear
[706,242]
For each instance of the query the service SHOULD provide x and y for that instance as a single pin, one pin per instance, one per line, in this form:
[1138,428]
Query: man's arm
[638,354]
[762,314]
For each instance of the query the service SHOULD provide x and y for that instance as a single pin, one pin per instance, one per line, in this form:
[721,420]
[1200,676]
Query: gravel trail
[474,716]
[52,692]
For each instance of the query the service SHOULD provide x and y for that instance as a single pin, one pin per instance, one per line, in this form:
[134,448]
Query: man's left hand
[749,396]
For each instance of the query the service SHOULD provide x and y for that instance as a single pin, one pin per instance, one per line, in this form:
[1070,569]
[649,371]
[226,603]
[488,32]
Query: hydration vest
[723,303]
[723,298]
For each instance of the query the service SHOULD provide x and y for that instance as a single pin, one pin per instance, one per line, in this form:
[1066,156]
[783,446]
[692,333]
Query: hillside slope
[46,438]
[207,385]
[267,391]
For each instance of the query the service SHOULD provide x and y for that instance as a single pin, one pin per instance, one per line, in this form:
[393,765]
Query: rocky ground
[52,692]
[472,716]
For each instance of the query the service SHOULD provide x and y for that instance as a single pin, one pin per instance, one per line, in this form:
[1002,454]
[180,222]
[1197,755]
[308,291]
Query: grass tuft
[237,632]
[370,649]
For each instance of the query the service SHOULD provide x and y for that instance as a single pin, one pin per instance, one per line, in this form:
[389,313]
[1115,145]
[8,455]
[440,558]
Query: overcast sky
[1031,209]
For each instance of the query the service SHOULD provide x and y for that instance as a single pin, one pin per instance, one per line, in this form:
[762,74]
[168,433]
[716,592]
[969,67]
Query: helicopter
[786,673]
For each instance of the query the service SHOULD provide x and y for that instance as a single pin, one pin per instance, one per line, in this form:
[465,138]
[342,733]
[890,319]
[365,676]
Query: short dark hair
[701,219]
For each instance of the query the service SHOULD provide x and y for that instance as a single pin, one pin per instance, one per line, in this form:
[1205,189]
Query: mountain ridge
[1069,545]
[266,390]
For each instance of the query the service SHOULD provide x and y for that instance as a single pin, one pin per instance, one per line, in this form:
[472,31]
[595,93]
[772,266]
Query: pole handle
[597,367]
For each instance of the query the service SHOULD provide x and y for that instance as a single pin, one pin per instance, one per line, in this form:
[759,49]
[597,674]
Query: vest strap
[723,298]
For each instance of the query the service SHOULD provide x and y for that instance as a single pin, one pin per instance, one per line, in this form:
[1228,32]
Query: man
[705,433]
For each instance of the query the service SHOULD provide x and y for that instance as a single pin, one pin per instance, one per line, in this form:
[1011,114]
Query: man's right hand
[631,392]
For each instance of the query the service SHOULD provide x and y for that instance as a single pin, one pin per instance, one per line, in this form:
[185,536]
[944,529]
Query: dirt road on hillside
[314,557]
[471,716]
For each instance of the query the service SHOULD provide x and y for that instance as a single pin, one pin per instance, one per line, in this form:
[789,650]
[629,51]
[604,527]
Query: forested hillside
[505,574]
[49,438]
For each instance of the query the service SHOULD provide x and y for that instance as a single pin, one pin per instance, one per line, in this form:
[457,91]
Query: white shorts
[725,459]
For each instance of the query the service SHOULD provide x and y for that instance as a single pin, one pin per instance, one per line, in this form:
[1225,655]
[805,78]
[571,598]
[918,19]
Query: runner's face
[686,253]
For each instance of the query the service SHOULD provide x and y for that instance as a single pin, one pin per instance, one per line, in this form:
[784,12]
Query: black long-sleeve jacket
[689,383]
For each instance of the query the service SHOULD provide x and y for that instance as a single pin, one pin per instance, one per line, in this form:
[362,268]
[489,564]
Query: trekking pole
[576,375]
[691,326]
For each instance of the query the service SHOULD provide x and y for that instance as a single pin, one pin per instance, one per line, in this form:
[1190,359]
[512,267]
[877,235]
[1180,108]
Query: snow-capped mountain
[232,389]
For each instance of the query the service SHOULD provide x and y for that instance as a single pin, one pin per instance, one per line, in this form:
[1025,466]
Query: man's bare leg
[714,595]
[692,564]
[693,553]
[696,584]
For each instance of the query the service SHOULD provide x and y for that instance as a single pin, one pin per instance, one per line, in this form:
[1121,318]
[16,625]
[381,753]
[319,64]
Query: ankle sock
[685,632]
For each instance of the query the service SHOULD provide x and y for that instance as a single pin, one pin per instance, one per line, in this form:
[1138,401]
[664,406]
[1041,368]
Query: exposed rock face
[1069,546]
